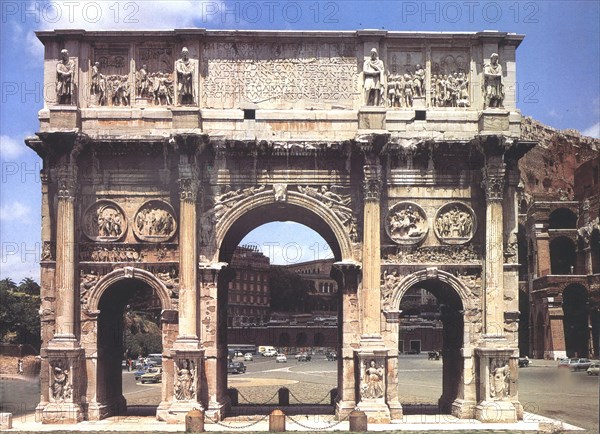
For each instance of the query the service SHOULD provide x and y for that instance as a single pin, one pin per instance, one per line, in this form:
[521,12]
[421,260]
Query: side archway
[125,273]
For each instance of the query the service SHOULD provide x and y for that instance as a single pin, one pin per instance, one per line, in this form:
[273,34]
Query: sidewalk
[309,423]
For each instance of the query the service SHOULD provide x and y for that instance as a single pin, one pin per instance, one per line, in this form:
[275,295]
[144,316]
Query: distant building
[559,245]
[249,291]
[323,296]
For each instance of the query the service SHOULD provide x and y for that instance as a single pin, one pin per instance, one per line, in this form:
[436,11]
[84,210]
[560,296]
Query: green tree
[19,312]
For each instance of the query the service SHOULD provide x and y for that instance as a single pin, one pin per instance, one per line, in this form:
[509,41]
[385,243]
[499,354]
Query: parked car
[139,372]
[248,357]
[270,353]
[303,357]
[281,358]
[594,369]
[154,375]
[524,362]
[331,356]
[580,364]
[236,367]
[566,363]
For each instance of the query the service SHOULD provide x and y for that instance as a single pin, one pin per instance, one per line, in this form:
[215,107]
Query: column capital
[188,189]
[346,274]
[372,181]
[66,178]
[493,182]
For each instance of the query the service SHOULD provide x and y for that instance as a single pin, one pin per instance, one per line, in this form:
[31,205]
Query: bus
[235,349]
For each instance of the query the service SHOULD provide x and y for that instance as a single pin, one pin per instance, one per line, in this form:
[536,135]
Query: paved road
[544,389]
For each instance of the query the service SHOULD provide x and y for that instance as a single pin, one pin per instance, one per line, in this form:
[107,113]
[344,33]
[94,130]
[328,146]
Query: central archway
[248,215]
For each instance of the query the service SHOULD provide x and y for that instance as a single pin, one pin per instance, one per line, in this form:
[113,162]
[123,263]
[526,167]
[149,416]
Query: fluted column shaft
[371,258]
[188,260]
[493,183]
[65,255]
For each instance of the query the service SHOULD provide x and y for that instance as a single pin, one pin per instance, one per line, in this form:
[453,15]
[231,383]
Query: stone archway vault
[102,390]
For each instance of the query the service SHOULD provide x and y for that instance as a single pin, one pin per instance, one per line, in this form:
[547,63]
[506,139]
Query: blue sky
[558,74]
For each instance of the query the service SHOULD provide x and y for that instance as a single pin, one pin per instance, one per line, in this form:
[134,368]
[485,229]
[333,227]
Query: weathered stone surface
[206,134]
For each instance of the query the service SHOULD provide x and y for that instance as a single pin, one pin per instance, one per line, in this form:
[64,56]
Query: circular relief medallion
[104,221]
[155,222]
[406,223]
[455,223]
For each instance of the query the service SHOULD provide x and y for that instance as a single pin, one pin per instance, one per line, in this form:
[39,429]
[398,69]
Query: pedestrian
[20,366]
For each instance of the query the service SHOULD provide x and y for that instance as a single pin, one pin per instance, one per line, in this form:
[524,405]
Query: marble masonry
[163,149]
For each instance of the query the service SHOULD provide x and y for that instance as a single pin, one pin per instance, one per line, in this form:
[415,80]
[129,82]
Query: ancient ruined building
[559,244]
[159,159]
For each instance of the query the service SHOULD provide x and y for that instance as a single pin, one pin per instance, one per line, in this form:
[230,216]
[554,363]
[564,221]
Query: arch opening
[563,256]
[129,330]
[562,218]
[576,321]
[431,322]
[302,314]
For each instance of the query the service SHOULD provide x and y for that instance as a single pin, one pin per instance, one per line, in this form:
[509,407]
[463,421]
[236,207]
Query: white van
[264,349]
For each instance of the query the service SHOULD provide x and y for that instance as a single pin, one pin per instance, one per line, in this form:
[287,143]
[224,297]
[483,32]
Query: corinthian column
[371,255]
[64,336]
[493,183]
[188,260]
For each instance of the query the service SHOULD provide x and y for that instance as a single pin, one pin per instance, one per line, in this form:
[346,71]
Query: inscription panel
[280,75]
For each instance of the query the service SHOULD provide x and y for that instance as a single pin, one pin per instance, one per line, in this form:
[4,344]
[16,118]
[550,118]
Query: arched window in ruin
[562,218]
[284,340]
[576,320]
[562,256]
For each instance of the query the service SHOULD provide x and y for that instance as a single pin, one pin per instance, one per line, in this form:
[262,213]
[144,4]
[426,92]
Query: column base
[63,342]
[216,411]
[175,412]
[343,409]
[377,412]
[463,409]
[99,411]
[496,412]
[396,411]
[186,343]
[59,413]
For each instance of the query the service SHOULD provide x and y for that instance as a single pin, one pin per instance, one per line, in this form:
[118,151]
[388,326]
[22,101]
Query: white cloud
[17,266]
[127,14]
[10,147]
[14,211]
[593,131]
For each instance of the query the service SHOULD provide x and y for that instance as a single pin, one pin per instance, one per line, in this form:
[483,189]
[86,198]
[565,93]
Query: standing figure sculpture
[373,71]
[372,384]
[492,82]
[65,73]
[184,68]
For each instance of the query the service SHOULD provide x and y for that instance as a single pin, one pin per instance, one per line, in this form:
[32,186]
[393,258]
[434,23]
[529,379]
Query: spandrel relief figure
[373,71]
[372,386]
[185,78]
[65,76]
[492,83]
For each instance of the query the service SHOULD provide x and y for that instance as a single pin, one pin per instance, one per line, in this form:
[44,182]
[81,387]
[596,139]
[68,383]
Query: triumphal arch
[163,149]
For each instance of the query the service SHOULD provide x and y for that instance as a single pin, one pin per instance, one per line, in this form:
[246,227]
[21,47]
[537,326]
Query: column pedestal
[188,370]
[494,386]
[372,365]
[66,376]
